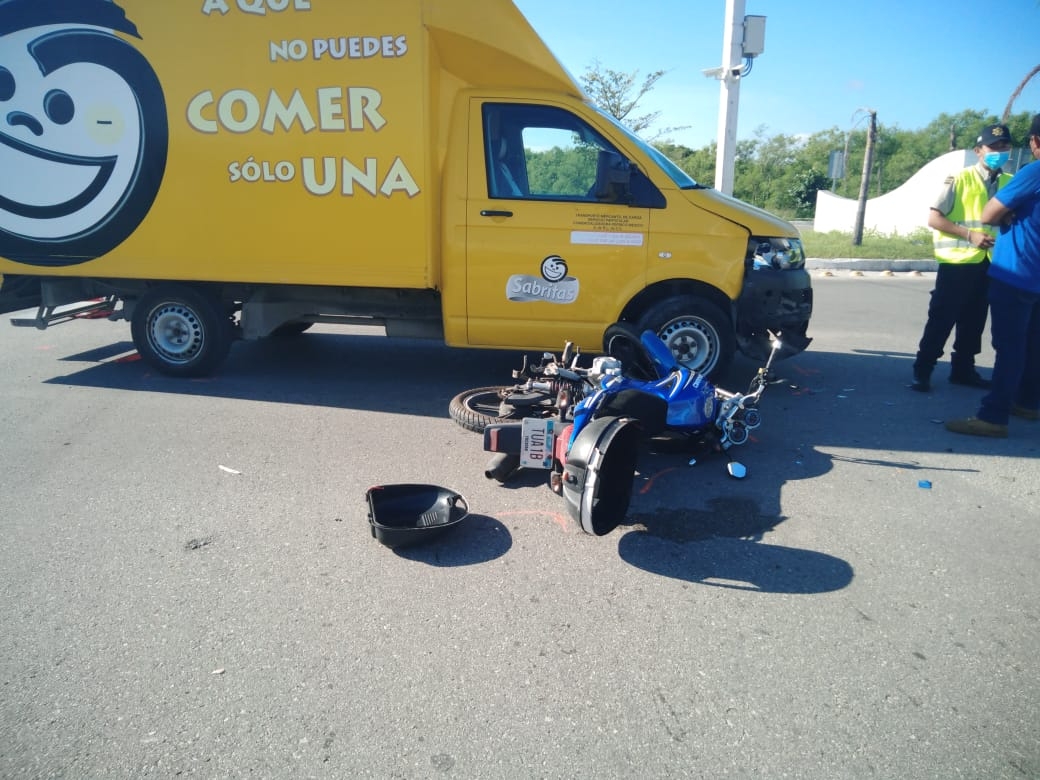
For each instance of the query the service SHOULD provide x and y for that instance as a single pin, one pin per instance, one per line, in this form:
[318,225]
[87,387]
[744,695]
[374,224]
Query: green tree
[557,171]
[618,93]
[699,163]
[801,194]
[765,168]
[783,173]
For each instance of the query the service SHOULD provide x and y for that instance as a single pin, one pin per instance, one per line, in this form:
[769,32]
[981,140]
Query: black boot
[922,378]
[970,378]
[962,372]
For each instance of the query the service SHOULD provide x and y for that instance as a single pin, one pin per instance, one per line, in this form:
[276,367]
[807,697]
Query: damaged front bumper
[777,298]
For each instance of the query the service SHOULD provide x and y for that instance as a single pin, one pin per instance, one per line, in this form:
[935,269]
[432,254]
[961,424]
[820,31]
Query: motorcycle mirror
[736,470]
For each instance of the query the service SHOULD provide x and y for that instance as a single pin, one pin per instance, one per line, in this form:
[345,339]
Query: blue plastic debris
[924,483]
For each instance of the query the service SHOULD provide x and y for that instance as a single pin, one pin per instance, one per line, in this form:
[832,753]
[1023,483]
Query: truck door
[556,240]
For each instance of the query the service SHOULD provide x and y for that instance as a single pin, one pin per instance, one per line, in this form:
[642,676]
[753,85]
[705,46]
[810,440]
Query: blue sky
[823,61]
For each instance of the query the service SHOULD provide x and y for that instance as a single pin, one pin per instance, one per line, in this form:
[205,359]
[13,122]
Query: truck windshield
[681,179]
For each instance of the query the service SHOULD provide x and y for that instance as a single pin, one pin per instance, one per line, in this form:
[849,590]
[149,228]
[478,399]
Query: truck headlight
[776,253]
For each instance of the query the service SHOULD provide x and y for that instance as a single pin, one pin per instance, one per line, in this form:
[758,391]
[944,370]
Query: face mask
[996,160]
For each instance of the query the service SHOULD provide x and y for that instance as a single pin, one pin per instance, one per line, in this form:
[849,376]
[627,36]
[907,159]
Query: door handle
[491,213]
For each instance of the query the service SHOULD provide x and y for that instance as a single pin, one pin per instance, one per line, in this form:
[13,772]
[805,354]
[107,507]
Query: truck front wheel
[698,334]
[180,331]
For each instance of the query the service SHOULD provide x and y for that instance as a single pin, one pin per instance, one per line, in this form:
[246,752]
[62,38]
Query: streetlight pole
[729,97]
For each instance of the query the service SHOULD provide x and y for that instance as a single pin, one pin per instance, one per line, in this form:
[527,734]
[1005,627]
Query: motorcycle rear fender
[503,437]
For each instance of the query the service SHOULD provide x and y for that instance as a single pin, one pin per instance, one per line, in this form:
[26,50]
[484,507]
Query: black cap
[1034,129]
[992,134]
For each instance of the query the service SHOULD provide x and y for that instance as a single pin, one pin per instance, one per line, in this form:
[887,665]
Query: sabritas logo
[83,131]
[554,285]
[554,268]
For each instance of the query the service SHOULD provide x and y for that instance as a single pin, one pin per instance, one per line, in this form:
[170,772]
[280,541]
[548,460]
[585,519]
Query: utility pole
[864,184]
[729,97]
[743,39]
[1017,92]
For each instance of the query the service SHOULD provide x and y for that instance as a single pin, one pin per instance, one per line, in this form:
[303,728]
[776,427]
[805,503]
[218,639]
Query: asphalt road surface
[189,586]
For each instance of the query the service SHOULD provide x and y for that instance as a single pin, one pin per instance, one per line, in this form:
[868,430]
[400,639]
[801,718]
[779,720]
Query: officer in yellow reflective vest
[962,248]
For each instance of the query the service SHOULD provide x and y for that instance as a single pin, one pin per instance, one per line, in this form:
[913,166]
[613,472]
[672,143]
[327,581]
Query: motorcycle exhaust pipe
[502,466]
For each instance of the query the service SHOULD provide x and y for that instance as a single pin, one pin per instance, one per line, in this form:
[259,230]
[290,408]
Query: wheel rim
[692,343]
[176,333]
[488,403]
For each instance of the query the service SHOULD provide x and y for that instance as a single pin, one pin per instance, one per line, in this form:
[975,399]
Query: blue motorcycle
[590,441]
[692,404]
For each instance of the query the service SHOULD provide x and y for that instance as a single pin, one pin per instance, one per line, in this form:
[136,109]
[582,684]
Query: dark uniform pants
[959,301]
[1016,340]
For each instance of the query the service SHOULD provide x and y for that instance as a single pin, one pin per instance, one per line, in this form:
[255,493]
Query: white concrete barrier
[899,212]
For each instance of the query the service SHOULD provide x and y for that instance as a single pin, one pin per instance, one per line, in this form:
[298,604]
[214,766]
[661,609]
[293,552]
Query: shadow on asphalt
[851,410]
[858,399]
[713,536]
[363,372]
[738,564]
[825,409]
[478,539]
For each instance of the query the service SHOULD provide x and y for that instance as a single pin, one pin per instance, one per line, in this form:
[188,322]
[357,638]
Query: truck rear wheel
[180,331]
[698,334]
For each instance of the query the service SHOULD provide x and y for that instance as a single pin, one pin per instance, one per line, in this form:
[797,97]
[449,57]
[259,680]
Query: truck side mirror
[613,177]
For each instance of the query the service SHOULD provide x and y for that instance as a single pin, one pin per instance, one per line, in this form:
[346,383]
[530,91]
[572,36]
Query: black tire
[698,334]
[290,330]
[480,407]
[181,331]
[621,341]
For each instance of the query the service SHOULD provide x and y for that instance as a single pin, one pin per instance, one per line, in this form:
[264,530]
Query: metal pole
[864,184]
[845,162]
[729,95]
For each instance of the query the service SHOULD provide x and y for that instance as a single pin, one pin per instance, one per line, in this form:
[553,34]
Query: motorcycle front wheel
[622,341]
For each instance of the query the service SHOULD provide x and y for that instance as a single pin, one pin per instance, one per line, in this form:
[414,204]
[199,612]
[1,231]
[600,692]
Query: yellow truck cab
[212,170]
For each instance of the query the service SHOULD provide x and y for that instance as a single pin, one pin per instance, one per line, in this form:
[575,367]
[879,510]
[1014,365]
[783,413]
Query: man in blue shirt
[1014,296]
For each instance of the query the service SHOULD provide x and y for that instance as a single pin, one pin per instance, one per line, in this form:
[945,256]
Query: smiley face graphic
[83,131]
[554,268]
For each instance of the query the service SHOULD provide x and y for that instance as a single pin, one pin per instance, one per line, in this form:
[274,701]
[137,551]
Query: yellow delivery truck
[213,170]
